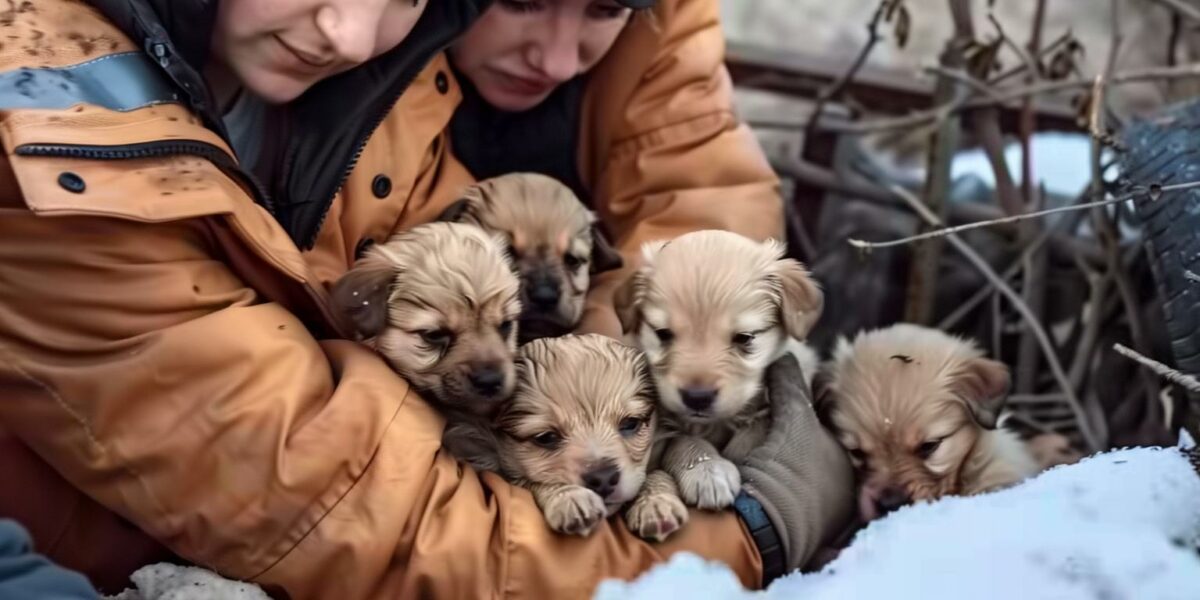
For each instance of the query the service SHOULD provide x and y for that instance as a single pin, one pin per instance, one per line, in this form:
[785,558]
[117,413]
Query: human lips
[525,86]
[308,61]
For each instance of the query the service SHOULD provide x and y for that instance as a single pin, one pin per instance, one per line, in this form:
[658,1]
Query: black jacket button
[381,186]
[71,182]
[443,84]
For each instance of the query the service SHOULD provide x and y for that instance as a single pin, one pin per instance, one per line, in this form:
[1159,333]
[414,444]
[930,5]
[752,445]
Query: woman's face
[521,50]
[280,48]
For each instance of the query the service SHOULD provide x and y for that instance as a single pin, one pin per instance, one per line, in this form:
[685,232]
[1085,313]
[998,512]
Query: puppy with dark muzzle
[712,310]
[919,412]
[440,303]
[578,433]
[554,242]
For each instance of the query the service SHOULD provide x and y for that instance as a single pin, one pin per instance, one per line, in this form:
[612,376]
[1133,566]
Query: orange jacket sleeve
[136,360]
[663,151]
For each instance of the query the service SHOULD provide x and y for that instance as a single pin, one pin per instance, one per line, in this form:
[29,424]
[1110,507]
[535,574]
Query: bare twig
[980,87]
[1106,230]
[1190,275]
[1061,229]
[1187,382]
[943,111]
[1086,427]
[1137,196]
[923,272]
[1035,264]
[842,82]
[1026,419]
[1035,399]
[1181,7]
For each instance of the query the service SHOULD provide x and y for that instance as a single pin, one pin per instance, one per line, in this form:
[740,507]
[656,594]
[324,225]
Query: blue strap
[122,82]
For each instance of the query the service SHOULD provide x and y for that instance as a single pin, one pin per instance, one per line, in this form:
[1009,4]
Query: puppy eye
[436,337]
[505,328]
[548,439]
[630,425]
[743,339]
[664,335]
[858,455]
[928,448]
[573,262]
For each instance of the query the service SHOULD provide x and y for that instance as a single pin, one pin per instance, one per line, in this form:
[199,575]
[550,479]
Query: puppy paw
[657,516]
[711,484]
[574,510]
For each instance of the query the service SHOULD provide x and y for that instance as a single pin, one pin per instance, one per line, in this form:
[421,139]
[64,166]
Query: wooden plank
[880,90]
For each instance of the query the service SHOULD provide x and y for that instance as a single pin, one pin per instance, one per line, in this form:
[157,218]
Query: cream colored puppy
[577,433]
[918,410]
[440,303]
[554,241]
[712,310]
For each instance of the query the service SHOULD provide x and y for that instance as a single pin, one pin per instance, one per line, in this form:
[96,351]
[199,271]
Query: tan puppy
[440,303]
[917,409]
[577,433]
[553,240]
[712,310]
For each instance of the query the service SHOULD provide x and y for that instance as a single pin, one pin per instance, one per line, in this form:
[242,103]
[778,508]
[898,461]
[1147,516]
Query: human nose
[556,53]
[351,28]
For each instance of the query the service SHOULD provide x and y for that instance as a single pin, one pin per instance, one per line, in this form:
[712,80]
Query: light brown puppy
[577,433]
[712,310]
[440,303]
[554,241]
[918,411]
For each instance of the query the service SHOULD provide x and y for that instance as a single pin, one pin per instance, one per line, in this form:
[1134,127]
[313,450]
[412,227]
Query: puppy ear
[361,295]
[625,301]
[604,256]
[822,390]
[983,384]
[800,298]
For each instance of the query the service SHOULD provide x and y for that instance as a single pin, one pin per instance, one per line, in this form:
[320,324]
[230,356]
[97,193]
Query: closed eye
[573,262]
[927,449]
[438,338]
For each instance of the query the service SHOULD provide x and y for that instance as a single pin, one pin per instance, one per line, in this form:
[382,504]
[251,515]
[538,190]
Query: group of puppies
[476,310]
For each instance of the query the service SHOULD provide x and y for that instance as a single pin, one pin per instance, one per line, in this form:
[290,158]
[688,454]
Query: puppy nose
[890,499]
[544,294]
[603,479]
[698,399]
[486,379]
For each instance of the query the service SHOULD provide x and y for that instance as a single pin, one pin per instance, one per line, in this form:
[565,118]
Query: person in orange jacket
[182,179]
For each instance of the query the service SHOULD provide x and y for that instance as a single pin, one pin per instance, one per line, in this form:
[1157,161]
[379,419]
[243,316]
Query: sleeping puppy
[712,310]
[554,242]
[440,303]
[577,433]
[917,409]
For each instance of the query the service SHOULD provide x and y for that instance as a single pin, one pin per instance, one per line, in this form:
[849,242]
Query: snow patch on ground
[1123,524]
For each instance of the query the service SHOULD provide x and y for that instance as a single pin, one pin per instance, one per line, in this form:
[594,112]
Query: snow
[1123,524]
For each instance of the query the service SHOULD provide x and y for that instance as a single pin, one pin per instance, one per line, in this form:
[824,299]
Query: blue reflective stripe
[122,82]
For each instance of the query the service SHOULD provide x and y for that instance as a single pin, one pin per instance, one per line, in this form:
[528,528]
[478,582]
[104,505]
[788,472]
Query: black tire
[1166,149]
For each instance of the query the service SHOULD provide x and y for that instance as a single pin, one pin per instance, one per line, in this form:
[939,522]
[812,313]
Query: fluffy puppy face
[440,303]
[552,238]
[583,414]
[909,403]
[712,310]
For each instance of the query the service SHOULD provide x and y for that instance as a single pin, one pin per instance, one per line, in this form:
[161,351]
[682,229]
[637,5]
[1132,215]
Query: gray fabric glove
[800,474]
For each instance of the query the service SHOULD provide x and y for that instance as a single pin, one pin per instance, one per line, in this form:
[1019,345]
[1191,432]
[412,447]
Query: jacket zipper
[154,149]
[361,145]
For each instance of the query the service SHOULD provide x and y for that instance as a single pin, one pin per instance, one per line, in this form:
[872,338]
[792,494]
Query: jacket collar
[327,127]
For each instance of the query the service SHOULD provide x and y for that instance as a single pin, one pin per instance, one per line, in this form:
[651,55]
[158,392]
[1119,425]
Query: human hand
[800,474]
